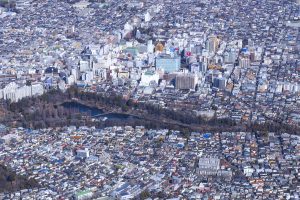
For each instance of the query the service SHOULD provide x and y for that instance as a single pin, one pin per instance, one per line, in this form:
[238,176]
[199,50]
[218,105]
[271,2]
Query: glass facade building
[168,63]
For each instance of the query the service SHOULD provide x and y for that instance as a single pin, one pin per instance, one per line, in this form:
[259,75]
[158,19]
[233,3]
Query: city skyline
[209,87]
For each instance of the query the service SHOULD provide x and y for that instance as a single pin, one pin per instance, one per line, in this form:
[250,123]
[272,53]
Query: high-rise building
[212,44]
[230,56]
[168,63]
[252,55]
[203,67]
[150,46]
[15,92]
[186,81]
[208,166]
[220,82]
[84,65]
[74,72]
[244,62]
[245,42]
[198,67]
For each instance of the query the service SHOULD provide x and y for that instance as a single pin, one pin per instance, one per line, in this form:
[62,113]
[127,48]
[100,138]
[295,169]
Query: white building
[244,62]
[9,92]
[208,166]
[83,153]
[149,77]
[22,92]
[37,89]
[150,46]
[84,65]
[22,4]
[14,92]
[74,72]
[148,17]
[70,80]
[127,28]
[89,76]
[248,171]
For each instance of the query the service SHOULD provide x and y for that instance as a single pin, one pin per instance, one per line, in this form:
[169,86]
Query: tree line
[47,111]
[10,181]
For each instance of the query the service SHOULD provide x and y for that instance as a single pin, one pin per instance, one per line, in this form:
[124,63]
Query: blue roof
[180,145]
[207,135]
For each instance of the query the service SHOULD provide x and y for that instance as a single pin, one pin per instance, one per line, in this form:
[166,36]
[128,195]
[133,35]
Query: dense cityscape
[217,63]
[125,162]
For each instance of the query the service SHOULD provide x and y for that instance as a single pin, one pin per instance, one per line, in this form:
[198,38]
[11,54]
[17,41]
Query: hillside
[10,182]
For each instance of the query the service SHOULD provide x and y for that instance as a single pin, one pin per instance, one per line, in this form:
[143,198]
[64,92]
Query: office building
[230,56]
[74,72]
[244,62]
[212,44]
[84,65]
[220,82]
[15,92]
[150,46]
[186,81]
[168,63]
[208,166]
